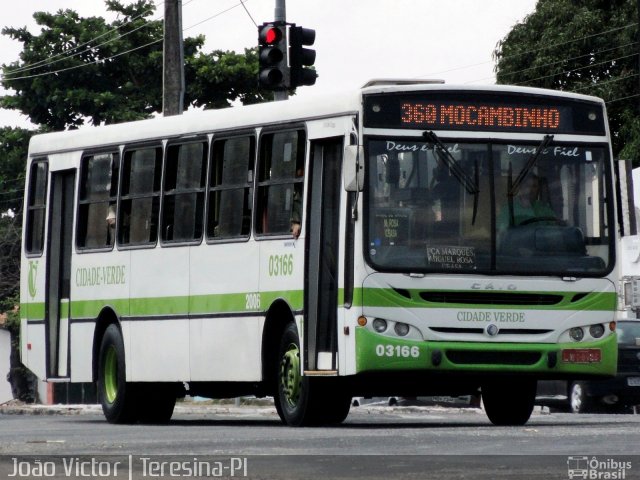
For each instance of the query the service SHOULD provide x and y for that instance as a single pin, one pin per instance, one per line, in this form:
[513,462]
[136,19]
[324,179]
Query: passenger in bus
[296,208]
[111,224]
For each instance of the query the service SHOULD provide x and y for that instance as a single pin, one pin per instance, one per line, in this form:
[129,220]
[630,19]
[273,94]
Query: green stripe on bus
[197,304]
[32,311]
[91,308]
[248,302]
[139,307]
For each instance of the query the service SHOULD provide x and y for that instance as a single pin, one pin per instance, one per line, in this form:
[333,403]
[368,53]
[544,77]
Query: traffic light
[272,55]
[300,58]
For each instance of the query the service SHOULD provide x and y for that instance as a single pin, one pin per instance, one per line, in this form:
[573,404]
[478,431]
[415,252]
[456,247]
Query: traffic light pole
[280,15]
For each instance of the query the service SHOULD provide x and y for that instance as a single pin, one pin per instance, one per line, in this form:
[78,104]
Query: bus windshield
[488,207]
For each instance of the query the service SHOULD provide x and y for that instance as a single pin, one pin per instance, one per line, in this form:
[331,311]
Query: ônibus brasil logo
[33,270]
[597,468]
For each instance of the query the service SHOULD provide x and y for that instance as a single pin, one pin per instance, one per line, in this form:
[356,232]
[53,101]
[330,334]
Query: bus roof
[245,117]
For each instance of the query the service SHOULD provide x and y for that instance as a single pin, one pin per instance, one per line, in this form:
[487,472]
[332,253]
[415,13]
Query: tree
[14,143]
[79,69]
[587,46]
[13,152]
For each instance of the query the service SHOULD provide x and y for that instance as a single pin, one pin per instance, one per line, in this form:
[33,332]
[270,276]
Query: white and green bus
[403,239]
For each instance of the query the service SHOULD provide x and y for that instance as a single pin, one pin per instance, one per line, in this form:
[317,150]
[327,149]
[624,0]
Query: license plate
[582,355]
[633,381]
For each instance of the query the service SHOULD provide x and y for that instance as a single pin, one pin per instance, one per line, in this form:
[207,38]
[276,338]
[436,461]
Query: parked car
[618,394]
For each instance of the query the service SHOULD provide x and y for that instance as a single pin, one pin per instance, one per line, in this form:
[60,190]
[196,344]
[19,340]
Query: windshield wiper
[471,186]
[546,141]
[443,154]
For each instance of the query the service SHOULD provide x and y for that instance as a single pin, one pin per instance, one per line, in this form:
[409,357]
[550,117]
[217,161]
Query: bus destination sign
[448,115]
[484,112]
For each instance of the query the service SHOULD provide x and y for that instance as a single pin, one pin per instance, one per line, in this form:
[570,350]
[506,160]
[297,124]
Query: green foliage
[13,153]
[115,80]
[587,47]
[215,79]
[14,143]
[8,306]
[10,228]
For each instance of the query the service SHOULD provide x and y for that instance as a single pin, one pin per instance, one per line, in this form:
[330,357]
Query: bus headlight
[402,329]
[576,333]
[379,325]
[596,331]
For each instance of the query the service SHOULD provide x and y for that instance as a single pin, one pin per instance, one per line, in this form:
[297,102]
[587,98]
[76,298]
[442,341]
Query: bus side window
[230,193]
[183,192]
[97,201]
[36,207]
[140,196]
[280,182]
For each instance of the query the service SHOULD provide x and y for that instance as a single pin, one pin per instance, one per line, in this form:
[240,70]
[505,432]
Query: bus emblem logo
[33,270]
[492,330]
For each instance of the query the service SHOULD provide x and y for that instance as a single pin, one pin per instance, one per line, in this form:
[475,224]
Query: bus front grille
[471,357]
[502,331]
[491,298]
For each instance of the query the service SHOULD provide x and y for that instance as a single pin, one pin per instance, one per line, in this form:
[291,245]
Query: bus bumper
[379,353]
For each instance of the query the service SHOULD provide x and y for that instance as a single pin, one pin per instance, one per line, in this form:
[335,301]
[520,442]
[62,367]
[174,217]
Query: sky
[356,40]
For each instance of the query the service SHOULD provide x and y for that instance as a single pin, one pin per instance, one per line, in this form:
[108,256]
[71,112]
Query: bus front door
[59,247]
[321,275]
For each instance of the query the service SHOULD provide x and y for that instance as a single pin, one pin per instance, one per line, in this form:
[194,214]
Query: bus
[407,238]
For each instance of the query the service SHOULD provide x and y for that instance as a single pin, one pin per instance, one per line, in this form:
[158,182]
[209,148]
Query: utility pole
[281,16]
[173,60]
[638,39]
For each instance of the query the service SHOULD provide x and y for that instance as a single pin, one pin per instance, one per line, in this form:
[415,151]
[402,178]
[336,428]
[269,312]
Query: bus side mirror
[353,168]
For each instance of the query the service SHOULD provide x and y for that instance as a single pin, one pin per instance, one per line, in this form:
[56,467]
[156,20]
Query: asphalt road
[374,442]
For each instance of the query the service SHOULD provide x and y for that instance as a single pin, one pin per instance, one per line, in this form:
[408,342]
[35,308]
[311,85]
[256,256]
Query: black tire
[579,401]
[160,400]
[336,407]
[304,401]
[118,397]
[509,401]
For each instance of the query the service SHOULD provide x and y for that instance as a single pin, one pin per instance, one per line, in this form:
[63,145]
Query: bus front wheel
[303,401]
[509,401]
[117,396]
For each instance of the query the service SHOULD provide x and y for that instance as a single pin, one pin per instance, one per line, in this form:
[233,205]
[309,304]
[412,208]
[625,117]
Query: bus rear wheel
[304,401]
[117,396]
[509,401]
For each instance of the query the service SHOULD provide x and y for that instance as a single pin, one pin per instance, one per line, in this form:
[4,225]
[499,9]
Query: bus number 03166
[401,351]
[280,265]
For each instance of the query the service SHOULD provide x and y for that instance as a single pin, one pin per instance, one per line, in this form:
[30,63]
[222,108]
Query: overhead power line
[560,44]
[68,53]
[622,98]
[248,13]
[465,67]
[2,77]
[567,60]
[584,67]
[605,82]
[214,16]
[75,67]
